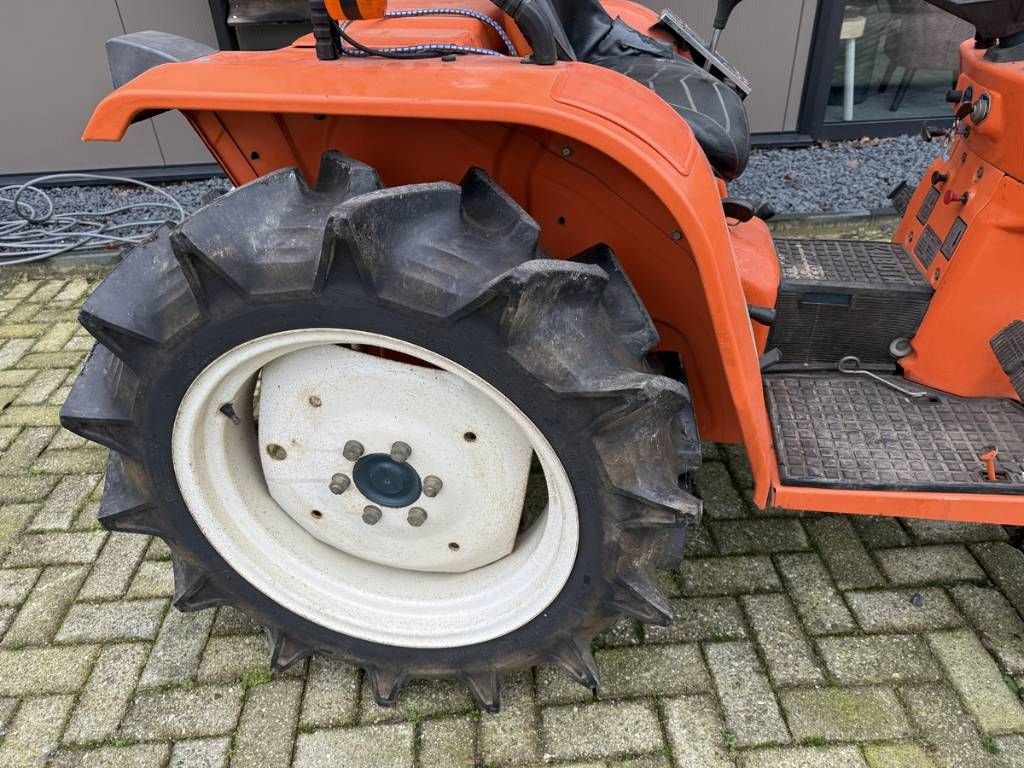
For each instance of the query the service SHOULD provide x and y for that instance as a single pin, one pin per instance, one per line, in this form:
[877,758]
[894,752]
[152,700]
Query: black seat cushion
[713,110]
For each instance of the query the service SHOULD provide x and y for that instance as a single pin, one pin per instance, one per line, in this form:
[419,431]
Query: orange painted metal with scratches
[592,155]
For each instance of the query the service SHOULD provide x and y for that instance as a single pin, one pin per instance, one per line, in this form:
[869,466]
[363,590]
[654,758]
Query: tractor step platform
[1009,348]
[843,298]
[853,432]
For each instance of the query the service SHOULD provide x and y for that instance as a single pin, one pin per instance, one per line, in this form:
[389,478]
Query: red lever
[990,458]
[952,197]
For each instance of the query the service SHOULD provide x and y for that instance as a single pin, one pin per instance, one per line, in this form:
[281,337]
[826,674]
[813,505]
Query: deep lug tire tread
[444,251]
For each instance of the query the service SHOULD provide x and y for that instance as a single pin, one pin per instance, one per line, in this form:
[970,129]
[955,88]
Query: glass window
[896,61]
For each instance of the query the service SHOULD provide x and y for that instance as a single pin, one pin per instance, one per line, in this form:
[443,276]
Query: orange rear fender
[592,155]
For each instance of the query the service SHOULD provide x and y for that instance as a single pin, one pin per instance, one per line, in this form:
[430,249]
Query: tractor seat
[713,110]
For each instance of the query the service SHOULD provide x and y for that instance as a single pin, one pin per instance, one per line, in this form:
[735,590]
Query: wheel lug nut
[315,401]
[372,515]
[339,484]
[432,486]
[353,450]
[276,452]
[401,452]
[417,517]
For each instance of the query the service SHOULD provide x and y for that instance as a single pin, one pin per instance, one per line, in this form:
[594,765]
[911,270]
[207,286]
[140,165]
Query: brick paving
[803,640]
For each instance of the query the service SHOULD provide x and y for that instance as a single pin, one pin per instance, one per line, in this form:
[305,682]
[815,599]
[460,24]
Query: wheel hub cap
[446,427]
[387,482]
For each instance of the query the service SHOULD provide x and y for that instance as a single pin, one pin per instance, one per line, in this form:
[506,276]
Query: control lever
[725,9]
[928,133]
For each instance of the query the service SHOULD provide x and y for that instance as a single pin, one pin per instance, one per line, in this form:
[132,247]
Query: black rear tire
[454,269]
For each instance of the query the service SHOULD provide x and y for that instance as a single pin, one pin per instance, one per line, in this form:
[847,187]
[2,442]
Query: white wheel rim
[219,472]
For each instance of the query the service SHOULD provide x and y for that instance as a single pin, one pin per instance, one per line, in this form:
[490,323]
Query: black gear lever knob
[725,9]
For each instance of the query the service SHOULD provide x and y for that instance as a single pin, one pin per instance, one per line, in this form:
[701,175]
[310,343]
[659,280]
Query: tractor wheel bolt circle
[353,450]
[372,515]
[400,452]
[432,486]
[417,517]
[340,483]
[276,452]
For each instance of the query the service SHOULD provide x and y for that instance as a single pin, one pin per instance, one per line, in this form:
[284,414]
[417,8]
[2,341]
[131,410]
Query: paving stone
[332,694]
[819,605]
[23,451]
[714,485]
[624,632]
[878,659]
[624,728]
[695,732]
[73,291]
[845,556]
[739,465]
[950,531]
[782,640]
[998,625]
[16,584]
[554,686]
[751,711]
[103,622]
[44,609]
[63,503]
[7,709]
[448,743]
[153,579]
[419,699]
[55,337]
[730,576]
[75,462]
[183,713]
[267,726]
[638,761]
[947,728]
[20,331]
[201,753]
[381,746]
[227,659]
[41,671]
[844,714]
[699,619]
[158,550]
[41,387]
[904,610]
[762,536]
[50,360]
[699,542]
[670,583]
[13,519]
[31,415]
[56,549]
[1005,566]
[510,737]
[14,351]
[107,693]
[112,573]
[804,757]
[129,756]
[24,489]
[176,655]
[1010,749]
[939,564]
[6,617]
[658,670]
[231,621]
[978,681]
[33,735]
[897,756]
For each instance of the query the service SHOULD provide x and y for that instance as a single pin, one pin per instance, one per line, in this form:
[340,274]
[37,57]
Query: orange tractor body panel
[596,157]
[977,219]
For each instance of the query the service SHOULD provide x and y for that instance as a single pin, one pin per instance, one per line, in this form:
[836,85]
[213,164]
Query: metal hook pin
[851,365]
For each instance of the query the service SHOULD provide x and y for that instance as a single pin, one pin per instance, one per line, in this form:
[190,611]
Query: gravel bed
[832,178]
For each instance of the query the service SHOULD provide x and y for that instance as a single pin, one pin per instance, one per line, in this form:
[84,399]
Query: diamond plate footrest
[852,432]
[845,297]
[1009,348]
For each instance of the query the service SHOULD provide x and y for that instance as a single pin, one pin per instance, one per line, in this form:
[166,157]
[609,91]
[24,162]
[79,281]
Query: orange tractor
[425,391]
